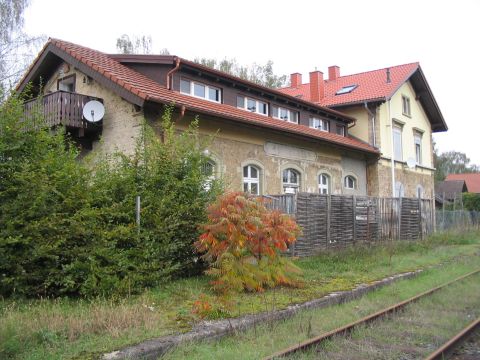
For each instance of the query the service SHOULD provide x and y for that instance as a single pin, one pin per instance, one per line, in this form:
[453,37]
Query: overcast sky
[299,36]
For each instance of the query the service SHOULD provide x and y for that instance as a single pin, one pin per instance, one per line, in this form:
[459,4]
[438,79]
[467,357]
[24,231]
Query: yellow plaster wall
[361,128]
[418,119]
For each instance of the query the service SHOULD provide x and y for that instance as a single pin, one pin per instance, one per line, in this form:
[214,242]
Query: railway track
[446,349]
[315,341]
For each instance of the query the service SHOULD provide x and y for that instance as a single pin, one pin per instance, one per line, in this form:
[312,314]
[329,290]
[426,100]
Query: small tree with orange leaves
[243,241]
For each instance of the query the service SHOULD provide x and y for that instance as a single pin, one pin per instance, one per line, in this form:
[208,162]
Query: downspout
[373,124]
[392,148]
[171,72]
[352,125]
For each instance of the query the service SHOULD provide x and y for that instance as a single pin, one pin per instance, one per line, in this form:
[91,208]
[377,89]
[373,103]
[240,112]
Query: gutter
[373,123]
[171,72]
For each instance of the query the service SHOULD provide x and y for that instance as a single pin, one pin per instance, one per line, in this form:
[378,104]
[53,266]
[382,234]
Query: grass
[266,339]
[417,331]
[78,328]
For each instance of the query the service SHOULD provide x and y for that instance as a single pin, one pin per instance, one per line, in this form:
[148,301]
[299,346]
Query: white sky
[299,36]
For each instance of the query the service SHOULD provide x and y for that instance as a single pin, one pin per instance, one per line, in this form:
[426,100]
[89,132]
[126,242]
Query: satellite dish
[93,111]
[411,163]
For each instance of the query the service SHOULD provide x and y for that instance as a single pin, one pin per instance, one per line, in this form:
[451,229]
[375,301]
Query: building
[395,111]
[266,141]
[449,191]
[472,181]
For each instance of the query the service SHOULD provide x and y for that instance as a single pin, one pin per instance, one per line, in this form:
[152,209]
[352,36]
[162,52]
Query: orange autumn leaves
[243,241]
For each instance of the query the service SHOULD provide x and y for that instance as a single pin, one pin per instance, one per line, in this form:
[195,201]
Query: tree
[243,242]
[257,73]
[16,48]
[452,162]
[135,44]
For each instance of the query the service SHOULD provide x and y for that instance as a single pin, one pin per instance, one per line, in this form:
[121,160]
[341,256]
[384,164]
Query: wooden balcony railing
[60,107]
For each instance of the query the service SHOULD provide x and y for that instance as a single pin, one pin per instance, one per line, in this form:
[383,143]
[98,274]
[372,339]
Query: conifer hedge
[68,227]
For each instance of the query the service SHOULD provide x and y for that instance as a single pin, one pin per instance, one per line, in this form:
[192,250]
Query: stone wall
[235,146]
[410,180]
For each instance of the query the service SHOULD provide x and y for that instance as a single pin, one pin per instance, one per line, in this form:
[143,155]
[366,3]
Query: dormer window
[341,130]
[346,89]
[285,114]
[200,90]
[319,124]
[252,105]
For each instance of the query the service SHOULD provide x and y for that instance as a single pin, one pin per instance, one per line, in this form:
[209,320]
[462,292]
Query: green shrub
[471,201]
[68,230]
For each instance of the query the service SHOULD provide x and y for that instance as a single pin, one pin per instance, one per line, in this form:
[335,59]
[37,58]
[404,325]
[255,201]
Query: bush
[471,201]
[243,242]
[68,230]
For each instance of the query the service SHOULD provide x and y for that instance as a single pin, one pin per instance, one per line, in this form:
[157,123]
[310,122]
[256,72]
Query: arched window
[251,179]
[419,191]
[290,181]
[350,182]
[399,189]
[209,170]
[324,184]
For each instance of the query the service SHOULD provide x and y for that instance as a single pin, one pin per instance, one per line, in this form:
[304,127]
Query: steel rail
[347,328]
[451,344]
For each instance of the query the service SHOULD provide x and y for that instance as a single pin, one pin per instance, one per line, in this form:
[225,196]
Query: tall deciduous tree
[452,162]
[134,44]
[16,48]
[257,73]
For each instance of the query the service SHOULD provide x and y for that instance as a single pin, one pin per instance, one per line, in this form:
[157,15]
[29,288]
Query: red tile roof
[372,85]
[149,90]
[471,180]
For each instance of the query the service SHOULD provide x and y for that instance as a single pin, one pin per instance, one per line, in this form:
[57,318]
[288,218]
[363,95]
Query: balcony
[62,108]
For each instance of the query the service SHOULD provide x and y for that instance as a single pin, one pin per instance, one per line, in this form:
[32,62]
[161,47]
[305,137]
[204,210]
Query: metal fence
[457,220]
[338,220]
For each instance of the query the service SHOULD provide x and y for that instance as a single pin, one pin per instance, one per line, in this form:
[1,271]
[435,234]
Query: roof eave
[374,153]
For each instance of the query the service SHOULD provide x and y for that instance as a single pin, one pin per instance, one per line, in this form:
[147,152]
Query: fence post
[295,213]
[329,209]
[354,212]
[420,219]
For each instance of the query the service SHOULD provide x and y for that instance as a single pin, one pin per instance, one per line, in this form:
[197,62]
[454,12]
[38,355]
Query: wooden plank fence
[59,107]
[338,220]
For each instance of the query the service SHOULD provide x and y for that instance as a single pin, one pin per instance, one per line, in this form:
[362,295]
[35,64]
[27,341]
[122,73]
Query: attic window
[346,89]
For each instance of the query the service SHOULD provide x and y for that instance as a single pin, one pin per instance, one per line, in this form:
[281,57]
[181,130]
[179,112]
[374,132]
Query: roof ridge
[375,70]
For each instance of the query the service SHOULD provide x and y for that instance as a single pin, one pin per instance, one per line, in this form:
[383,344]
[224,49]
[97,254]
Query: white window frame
[420,191]
[249,180]
[324,188]
[406,106]
[319,124]
[397,129]
[418,148]
[399,189]
[346,182]
[289,184]
[257,102]
[289,117]
[209,177]
[207,88]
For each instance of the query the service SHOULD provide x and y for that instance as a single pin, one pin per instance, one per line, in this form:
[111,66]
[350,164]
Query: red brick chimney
[295,80]
[333,72]
[317,86]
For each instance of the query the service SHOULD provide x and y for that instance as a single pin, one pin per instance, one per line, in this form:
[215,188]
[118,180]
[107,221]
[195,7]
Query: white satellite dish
[93,111]
[411,163]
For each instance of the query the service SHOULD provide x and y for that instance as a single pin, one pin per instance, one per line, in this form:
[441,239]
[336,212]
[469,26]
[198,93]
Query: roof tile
[471,180]
[147,88]
[371,85]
